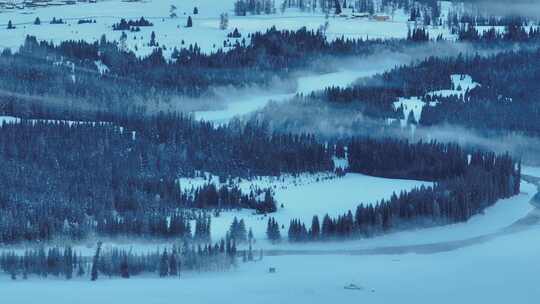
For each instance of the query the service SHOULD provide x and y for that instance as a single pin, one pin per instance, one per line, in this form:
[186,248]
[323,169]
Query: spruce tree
[164,264]
[315,230]
[173,265]
[337,7]
[153,39]
[124,268]
[95,261]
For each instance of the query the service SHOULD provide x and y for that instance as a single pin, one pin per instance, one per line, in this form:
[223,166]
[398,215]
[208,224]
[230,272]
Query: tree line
[40,71]
[172,261]
[505,101]
[470,185]
[74,179]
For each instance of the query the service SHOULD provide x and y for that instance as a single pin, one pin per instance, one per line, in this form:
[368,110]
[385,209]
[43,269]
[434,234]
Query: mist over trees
[44,75]
[172,261]
[506,99]
[116,170]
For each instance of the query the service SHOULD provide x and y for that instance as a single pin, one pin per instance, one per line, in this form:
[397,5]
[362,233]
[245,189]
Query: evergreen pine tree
[337,7]
[173,265]
[153,39]
[124,268]
[164,264]
[95,261]
[315,230]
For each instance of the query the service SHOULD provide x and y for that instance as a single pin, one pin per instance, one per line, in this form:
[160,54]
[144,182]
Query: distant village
[13,5]
[365,15]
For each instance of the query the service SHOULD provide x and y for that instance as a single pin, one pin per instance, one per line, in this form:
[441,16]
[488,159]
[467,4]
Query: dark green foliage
[463,188]
[94,273]
[164,264]
[272,230]
[125,183]
[58,262]
[395,158]
[129,25]
[124,268]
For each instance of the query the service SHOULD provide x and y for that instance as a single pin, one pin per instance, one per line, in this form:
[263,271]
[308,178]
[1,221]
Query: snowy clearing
[495,218]
[460,85]
[532,171]
[309,195]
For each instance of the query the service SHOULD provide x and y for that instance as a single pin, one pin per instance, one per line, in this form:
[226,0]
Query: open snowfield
[495,218]
[170,32]
[530,170]
[310,197]
[503,270]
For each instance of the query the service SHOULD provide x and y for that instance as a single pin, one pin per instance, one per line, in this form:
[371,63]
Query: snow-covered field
[503,270]
[311,197]
[532,171]
[494,219]
[306,197]
[170,32]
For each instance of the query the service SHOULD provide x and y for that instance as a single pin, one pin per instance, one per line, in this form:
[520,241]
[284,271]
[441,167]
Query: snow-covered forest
[269,151]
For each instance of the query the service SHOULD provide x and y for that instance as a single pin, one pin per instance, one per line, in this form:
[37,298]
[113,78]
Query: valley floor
[500,271]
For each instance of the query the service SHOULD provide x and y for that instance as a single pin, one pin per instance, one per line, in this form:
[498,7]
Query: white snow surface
[499,271]
[170,32]
[305,196]
[412,104]
[531,170]
[314,197]
[501,215]
[461,83]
